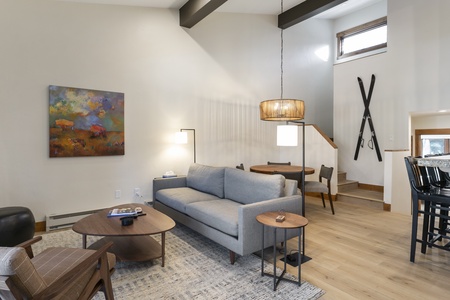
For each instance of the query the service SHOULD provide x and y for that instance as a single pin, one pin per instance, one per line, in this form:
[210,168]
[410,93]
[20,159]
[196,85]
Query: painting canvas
[86,122]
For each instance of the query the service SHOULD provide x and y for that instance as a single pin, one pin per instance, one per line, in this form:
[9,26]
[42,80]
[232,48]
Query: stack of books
[120,212]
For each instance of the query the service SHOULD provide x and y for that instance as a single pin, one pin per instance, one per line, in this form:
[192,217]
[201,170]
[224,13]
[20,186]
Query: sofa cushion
[248,187]
[221,214]
[206,179]
[178,198]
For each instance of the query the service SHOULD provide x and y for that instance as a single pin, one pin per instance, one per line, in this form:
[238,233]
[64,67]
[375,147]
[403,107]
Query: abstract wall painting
[86,122]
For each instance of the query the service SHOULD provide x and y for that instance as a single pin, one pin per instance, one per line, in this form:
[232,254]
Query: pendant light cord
[282,44]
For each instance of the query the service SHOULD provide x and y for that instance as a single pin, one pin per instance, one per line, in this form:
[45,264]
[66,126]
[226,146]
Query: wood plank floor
[363,253]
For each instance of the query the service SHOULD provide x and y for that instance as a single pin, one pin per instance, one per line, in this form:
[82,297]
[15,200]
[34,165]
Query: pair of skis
[373,142]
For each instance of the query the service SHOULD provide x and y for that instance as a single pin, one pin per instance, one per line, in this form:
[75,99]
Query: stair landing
[351,191]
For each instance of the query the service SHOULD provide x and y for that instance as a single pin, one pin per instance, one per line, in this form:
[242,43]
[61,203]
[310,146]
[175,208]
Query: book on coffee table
[120,212]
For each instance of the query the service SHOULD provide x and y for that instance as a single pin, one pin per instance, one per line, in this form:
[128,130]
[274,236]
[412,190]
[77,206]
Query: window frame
[438,131]
[340,36]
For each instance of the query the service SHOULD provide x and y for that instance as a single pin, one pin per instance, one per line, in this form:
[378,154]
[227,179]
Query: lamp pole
[303,162]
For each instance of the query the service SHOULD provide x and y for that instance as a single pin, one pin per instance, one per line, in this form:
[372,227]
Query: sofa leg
[232,257]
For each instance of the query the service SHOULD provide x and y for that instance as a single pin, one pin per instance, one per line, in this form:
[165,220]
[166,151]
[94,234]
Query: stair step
[347,185]
[351,191]
[342,176]
[362,197]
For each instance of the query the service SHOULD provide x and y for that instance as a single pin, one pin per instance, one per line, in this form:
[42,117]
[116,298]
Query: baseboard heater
[58,221]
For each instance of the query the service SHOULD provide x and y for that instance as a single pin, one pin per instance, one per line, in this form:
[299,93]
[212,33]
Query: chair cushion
[206,179]
[73,291]
[14,262]
[67,259]
[315,187]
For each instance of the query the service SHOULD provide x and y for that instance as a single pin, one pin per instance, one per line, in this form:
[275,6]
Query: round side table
[291,221]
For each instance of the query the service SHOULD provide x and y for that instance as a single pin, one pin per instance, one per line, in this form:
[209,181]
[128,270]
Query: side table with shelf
[292,221]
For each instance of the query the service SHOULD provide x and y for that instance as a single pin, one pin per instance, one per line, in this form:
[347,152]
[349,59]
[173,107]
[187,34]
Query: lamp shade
[282,110]
[287,135]
[181,137]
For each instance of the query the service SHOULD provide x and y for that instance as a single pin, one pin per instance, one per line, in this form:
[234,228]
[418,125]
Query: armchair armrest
[168,183]
[27,245]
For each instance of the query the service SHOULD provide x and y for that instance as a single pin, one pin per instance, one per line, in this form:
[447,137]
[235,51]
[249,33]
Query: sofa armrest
[250,229]
[168,183]
[290,187]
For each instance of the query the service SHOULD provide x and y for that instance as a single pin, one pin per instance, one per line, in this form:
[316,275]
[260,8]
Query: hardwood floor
[363,253]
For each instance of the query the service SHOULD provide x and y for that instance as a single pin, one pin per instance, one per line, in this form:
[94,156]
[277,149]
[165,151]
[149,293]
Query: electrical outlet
[137,192]
[118,193]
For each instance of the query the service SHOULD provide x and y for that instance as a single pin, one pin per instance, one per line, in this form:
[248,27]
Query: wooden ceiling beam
[305,10]
[196,10]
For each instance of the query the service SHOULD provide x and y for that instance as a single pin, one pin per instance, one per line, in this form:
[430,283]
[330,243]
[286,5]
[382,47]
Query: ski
[368,117]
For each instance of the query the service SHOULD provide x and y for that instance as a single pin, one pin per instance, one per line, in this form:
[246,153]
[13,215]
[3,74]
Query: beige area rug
[196,268]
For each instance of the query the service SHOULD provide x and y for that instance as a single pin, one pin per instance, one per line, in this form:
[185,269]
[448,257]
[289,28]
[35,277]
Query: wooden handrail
[332,144]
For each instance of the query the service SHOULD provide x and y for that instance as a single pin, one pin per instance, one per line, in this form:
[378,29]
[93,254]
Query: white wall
[412,76]
[430,121]
[397,191]
[211,78]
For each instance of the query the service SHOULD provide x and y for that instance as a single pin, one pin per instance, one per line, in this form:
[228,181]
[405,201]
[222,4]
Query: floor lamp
[182,138]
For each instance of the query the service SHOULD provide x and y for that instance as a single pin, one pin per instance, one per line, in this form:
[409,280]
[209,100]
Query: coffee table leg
[163,247]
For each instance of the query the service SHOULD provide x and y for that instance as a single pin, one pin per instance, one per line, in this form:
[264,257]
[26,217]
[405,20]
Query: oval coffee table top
[99,224]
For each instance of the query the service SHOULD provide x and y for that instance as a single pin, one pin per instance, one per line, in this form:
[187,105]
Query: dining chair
[321,187]
[279,163]
[431,202]
[55,273]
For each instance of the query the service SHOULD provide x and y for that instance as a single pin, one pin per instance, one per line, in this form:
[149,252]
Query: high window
[367,38]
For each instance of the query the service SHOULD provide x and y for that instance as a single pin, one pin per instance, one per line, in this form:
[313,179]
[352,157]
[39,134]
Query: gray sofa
[222,203]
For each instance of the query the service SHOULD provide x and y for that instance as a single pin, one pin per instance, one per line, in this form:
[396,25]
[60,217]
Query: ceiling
[271,7]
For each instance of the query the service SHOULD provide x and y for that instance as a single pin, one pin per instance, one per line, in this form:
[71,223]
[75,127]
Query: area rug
[195,268]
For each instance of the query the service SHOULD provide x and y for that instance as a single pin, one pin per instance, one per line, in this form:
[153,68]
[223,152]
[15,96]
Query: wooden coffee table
[133,242]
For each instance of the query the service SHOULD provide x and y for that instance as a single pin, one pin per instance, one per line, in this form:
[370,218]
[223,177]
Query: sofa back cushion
[248,187]
[206,179]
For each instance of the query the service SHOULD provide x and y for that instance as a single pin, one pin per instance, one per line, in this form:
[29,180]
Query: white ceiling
[271,7]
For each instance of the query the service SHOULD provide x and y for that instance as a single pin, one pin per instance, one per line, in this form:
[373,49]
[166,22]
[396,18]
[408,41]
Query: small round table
[291,221]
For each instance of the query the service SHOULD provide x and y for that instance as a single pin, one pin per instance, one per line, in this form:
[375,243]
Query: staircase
[352,191]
